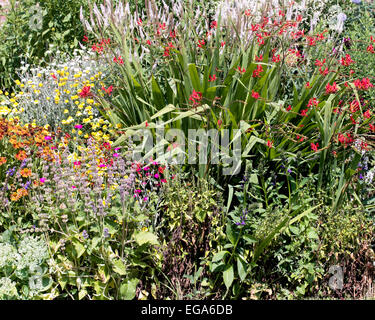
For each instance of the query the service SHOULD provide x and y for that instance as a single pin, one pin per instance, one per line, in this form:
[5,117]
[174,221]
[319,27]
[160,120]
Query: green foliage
[60,30]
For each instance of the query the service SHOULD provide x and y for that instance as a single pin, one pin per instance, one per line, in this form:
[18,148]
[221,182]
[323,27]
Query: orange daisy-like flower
[21,155]
[3,160]
[25,173]
[14,196]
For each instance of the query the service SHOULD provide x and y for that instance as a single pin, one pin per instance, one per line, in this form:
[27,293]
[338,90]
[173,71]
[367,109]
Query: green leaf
[119,267]
[128,289]
[219,256]
[79,248]
[146,237]
[228,276]
[241,268]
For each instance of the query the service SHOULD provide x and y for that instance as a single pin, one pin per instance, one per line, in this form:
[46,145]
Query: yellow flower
[66,111]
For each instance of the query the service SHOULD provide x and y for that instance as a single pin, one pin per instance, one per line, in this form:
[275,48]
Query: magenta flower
[156,176]
[116,155]
[78,126]
[47,138]
[42,180]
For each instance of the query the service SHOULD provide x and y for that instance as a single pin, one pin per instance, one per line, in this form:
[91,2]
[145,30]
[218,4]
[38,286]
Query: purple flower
[85,234]
[360,176]
[356,1]
[106,233]
[27,184]
[11,171]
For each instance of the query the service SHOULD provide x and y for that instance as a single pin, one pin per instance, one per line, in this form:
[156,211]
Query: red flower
[109,90]
[320,63]
[85,92]
[314,146]
[258,59]
[201,43]
[85,39]
[347,60]
[370,48]
[289,108]
[304,112]
[255,94]
[212,78]
[367,114]
[213,24]
[331,88]
[243,70]
[195,97]
[269,144]
[372,127]
[276,58]
[257,71]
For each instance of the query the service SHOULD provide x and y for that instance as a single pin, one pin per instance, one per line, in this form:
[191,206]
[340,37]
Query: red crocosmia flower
[85,92]
[259,59]
[304,112]
[243,70]
[308,86]
[85,39]
[247,12]
[331,88]
[370,48]
[314,146]
[312,102]
[148,42]
[347,60]
[255,94]
[352,119]
[276,58]
[269,144]
[166,52]
[212,78]
[363,84]
[118,60]
[201,43]
[289,108]
[147,124]
[320,63]
[213,24]
[257,71]
[354,106]
[172,34]
[109,90]
[372,127]
[139,21]
[367,114]
[53,76]
[345,140]
[195,97]
[323,72]
[219,123]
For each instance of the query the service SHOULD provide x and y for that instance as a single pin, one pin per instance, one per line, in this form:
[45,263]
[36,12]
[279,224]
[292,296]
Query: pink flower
[116,155]
[78,126]
[77,163]
[47,138]
[156,176]
[74,187]
[42,180]
[163,180]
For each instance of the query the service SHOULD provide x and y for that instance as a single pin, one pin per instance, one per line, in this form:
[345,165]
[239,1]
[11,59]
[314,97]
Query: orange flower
[14,196]
[3,160]
[21,155]
[25,173]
